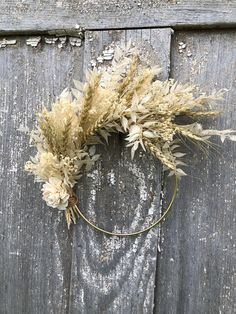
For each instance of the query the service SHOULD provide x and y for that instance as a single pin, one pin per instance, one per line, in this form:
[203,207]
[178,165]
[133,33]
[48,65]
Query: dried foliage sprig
[125,97]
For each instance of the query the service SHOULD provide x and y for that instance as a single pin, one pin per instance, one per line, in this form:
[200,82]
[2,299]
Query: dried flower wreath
[125,97]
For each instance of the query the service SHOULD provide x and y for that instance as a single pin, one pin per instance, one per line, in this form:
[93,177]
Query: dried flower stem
[88,97]
[129,76]
[189,134]
[66,136]
[156,152]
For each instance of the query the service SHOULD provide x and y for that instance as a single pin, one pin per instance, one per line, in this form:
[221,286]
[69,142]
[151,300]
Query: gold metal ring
[110,233]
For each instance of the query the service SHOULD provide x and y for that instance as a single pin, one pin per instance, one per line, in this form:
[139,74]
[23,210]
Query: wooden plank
[111,274]
[34,16]
[196,269]
[35,246]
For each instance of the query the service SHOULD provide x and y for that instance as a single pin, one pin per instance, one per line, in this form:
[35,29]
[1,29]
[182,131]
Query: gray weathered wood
[111,274]
[196,268]
[41,271]
[40,15]
[35,246]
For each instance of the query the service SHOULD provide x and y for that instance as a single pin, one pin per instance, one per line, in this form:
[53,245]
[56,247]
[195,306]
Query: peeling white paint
[100,59]
[93,63]
[33,41]
[108,53]
[5,42]
[62,41]
[75,41]
[50,40]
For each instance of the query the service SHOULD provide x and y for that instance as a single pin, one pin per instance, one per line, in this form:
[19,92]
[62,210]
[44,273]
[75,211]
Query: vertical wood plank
[196,269]
[111,274]
[35,246]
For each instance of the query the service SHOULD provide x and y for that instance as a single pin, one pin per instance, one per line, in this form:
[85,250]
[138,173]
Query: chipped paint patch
[183,49]
[75,41]
[182,46]
[62,42]
[33,41]
[50,40]
[108,53]
[5,42]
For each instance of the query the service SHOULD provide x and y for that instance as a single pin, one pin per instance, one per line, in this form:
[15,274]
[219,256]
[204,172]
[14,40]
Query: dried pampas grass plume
[125,97]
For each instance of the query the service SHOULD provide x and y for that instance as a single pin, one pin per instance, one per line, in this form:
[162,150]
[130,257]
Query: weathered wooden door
[187,265]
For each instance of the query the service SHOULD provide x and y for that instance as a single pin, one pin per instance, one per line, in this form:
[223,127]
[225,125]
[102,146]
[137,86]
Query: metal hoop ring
[135,232]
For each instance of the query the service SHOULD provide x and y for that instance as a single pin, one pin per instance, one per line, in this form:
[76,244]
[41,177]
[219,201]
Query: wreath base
[75,211]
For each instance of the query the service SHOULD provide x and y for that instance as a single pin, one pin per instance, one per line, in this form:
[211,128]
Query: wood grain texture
[38,15]
[35,246]
[196,269]
[111,274]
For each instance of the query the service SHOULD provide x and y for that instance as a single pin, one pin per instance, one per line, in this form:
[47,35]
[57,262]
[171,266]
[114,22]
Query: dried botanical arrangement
[125,97]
